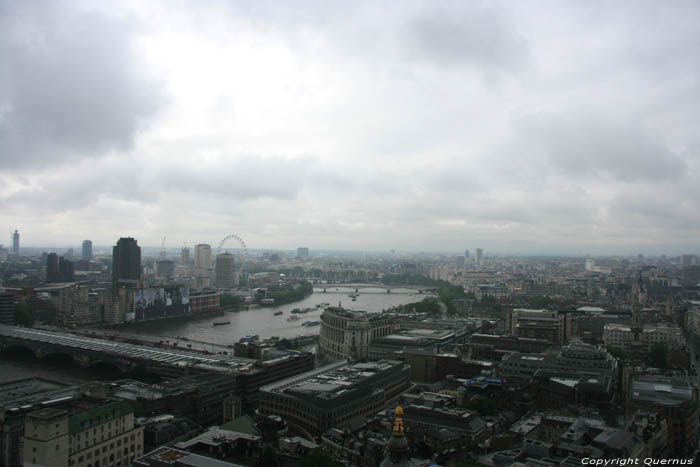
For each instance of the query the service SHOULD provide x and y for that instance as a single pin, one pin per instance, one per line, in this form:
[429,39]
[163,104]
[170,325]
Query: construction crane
[162,249]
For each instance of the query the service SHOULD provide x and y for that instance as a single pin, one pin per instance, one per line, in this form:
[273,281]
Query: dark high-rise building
[52,274]
[225,271]
[126,260]
[66,269]
[15,242]
[466,253]
[7,308]
[59,269]
[87,250]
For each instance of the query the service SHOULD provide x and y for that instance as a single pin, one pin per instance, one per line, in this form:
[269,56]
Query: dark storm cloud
[69,84]
[464,33]
[592,144]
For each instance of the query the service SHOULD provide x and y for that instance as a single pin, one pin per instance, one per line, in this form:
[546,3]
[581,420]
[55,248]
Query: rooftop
[331,380]
[661,390]
[24,390]
[176,457]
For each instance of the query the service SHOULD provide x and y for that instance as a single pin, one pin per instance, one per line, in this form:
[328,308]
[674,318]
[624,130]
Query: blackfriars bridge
[359,287]
[88,351]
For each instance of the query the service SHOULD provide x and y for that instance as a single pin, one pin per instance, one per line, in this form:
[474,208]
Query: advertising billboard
[161,302]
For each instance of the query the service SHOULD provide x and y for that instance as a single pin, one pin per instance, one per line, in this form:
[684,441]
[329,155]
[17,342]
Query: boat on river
[221,323]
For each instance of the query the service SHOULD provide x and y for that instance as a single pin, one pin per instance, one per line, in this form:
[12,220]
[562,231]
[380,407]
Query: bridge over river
[88,351]
[366,287]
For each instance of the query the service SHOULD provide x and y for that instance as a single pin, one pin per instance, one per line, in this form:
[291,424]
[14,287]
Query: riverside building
[347,334]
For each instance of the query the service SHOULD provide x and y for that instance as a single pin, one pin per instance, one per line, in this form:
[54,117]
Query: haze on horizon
[524,126]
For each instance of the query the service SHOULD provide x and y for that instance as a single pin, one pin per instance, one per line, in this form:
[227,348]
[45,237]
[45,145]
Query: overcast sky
[427,126]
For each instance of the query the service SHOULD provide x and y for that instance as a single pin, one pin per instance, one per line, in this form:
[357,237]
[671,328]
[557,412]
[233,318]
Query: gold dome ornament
[398,423]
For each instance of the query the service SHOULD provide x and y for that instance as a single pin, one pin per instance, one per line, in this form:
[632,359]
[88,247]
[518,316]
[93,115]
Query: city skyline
[514,127]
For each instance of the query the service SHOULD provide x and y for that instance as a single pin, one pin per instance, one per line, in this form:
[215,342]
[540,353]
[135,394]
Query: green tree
[228,300]
[617,352]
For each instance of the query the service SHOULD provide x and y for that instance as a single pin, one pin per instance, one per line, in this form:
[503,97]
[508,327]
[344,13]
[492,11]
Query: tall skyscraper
[66,269]
[466,254]
[185,256]
[52,274]
[478,254]
[15,242]
[126,260]
[87,250]
[202,256]
[59,269]
[303,253]
[7,308]
[225,271]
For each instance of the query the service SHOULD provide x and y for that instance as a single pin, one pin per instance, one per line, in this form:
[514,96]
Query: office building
[676,401]
[185,256]
[202,256]
[624,336]
[15,242]
[165,267]
[478,256]
[577,357]
[466,254]
[204,302]
[87,250]
[17,399]
[7,308]
[59,269]
[82,433]
[347,334]
[493,348]
[539,324]
[335,395]
[66,270]
[126,260]
[52,274]
[303,253]
[225,271]
[380,347]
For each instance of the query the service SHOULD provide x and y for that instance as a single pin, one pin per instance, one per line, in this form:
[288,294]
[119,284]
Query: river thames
[263,321]
[260,321]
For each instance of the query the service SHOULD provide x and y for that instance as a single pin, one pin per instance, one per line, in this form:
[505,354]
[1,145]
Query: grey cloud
[241,177]
[464,33]
[592,144]
[69,84]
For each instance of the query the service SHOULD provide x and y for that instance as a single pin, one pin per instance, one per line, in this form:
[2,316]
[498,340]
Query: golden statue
[398,423]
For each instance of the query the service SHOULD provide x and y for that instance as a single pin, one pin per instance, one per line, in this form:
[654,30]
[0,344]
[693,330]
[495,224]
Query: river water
[263,322]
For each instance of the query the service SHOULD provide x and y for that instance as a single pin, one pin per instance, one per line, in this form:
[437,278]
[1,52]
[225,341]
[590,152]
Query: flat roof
[661,390]
[331,380]
[27,388]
